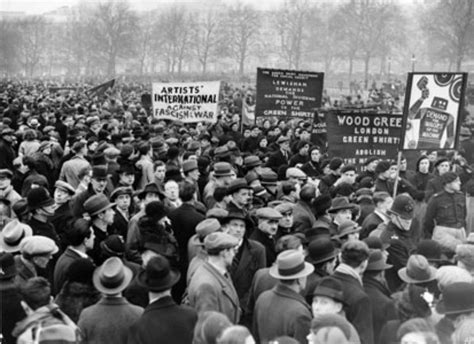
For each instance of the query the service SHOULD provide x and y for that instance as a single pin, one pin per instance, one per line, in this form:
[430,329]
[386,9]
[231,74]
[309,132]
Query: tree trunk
[111,65]
[366,70]
[242,64]
[351,67]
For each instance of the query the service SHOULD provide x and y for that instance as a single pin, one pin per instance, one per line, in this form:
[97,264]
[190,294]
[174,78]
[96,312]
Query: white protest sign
[187,102]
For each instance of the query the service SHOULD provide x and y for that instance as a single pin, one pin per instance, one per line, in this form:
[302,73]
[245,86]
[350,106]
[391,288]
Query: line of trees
[105,37]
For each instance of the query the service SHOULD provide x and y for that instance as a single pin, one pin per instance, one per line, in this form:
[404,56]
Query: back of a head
[210,326]
[420,326]
[354,253]
[80,230]
[36,292]
[236,334]
[186,191]
[307,193]
[331,328]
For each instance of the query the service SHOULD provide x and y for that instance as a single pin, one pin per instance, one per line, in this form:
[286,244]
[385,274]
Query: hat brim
[308,270]
[442,309]
[342,235]
[172,279]
[16,248]
[336,209]
[322,259]
[128,275]
[227,174]
[379,267]
[103,209]
[402,273]
[389,211]
[46,203]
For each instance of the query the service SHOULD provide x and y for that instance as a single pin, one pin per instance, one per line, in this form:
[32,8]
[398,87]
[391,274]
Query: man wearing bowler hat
[102,215]
[240,196]
[211,287]
[41,205]
[163,320]
[375,285]
[109,320]
[282,311]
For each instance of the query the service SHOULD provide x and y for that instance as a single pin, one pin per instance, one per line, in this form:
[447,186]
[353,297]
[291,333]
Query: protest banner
[100,89]
[431,116]
[187,102]
[355,136]
[288,94]
[319,130]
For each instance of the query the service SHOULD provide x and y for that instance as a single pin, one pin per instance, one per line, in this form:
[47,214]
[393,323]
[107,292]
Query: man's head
[63,192]
[286,211]
[383,201]
[268,219]
[35,293]
[127,174]
[355,254]
[235,225]
[160,170]
[122,196]
[349,173]
[371,163]
[81,234]
[5,178]
[186,191]
[402,211]
[171,190]
[442,166]
[191,170]
[100,209]
[38,249]
[221,246]
[328,297]
[451,182]
[40,202]
[99,178]
[240,192]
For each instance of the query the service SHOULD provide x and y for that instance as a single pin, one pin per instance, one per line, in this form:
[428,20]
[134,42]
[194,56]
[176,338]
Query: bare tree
[242,32]
[113,26]
[290,21]
[450,23]
[9,45]
[206,37]
[145,40]
[33,36]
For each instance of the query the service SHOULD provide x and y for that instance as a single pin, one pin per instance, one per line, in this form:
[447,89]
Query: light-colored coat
[209,290]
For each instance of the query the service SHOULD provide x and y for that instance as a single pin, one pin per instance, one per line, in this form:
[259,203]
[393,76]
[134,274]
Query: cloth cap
[218,241]
[38,245]
[251,177]
[335,163]
[111,152]
[283,139]
[12,235]
[268,213]
[65,187]
[207,226]
[465,254]
[194,146]
[382,166]
[268,177]
[217,213]
[97,204]
[294,172]
[252,161]
[290,264]
[112,276]
[285,207]
[340,203]
[418,270]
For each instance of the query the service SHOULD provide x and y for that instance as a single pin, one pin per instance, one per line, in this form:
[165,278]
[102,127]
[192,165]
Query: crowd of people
[117,227]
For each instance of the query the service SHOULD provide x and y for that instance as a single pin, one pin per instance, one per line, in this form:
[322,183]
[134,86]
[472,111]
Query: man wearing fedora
[240,194]
[266,231]
[109,320]
[354,258]
[323,255]
[328,299]
[340,211]
[102,214]
[97,186]
[397,234]
[375,285]
[211,287]
[282,311]
[163,320]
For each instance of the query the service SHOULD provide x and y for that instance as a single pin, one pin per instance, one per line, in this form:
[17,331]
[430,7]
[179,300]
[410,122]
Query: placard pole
[399,160]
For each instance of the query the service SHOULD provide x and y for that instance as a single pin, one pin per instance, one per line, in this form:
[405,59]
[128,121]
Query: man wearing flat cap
[211,287]
[266,231]
[445,218]
[280,157]
[286,223]
[62,217]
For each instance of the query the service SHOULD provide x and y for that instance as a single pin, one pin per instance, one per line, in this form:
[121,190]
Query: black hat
[113,245]
[127,168]
[99,172]
[155,210]
[39,197]
[173,173]
[340,203]
[158,275]
[430,249]
[331,288]
[440,161]
[322,203]
[80,270]
[382,166]
[449,177]
[371,159]
[320,251]
[149,188]
[377,261]
[7,266]
[404,206]
[335,163]
[236,185]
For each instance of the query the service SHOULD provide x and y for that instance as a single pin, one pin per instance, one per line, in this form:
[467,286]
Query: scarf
[348,270]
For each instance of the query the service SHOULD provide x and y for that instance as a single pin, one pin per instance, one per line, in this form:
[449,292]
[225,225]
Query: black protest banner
[355,136]
[432,112]
[287,94]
